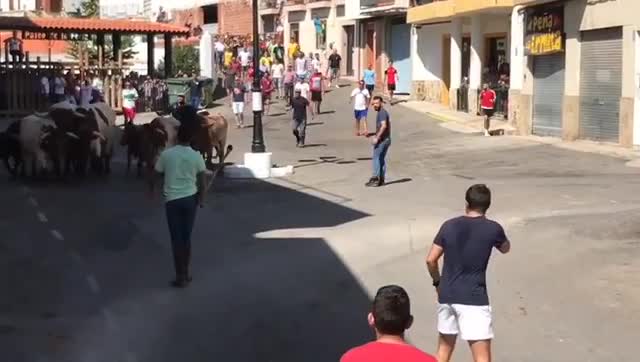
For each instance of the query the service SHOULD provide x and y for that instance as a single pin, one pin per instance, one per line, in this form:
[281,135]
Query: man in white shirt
[303,87]
[129,98]
[301,66]
[15,48]
[316,63]
[361,97]
[59,85]
[277,72]
[244,57]
[219,48]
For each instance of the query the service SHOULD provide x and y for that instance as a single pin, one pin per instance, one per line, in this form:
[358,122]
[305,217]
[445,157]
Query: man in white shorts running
[238,102]
[467,242]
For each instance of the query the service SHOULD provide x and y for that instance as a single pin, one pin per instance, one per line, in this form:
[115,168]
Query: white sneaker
[486,133]
[337,86]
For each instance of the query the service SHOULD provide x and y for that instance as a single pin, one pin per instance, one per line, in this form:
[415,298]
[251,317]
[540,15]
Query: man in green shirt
[184,174]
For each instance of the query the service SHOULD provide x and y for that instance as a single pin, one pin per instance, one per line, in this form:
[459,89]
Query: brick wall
[234,17]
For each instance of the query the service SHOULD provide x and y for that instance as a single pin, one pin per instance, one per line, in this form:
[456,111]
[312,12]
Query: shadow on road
[253,298]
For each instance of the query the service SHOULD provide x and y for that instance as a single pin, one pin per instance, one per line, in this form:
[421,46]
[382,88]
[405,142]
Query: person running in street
[129,98]
[238,102]
[391,79]
[390,317]
[299,105]
[185,179]
[487,104]
[301,66]
[334,68]
[266,84]
[466,243]
[360,96]
[303,87]
[381,142]
[316,82]
[370,79]
[289,80]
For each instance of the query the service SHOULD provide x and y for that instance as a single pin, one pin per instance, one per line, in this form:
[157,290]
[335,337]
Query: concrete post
[517,64]
[475,68]
[456,61]
[207,58]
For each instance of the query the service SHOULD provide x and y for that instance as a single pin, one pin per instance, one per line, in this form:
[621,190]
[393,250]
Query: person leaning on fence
[15,48]
[487,104]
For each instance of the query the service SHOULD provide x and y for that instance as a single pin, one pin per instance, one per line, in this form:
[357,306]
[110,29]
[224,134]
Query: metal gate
[401,55]
[601,84]
[548,93]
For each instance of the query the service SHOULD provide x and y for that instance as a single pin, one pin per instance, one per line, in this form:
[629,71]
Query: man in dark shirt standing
[299,105]
[467,242]
[381,142]
[334,68]
[195,88]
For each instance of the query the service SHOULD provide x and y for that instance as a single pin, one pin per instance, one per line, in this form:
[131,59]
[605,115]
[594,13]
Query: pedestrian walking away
[466,243]
[301,66]
[334,68]
[370,79]
[316,83]
[299,105]
[185,179]
[360,97]
[391,79]
[381,142]
[277,72]
[266,84]
[303,87]
[289,80]
[390,317]
[487,104]
[129,98]
[237,105]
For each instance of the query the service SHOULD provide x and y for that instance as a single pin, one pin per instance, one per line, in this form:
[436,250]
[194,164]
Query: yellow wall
[444,10]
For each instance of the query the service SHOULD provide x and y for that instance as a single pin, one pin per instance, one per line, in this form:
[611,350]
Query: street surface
[284,269]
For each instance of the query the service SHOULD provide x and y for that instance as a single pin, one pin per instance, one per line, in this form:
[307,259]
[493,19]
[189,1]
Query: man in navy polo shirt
[467,242]
[381,142]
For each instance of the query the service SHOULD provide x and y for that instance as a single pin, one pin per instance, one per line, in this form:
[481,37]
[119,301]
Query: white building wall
[427,62]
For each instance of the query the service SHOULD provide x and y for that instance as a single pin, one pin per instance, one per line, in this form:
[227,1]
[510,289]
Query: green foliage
[186,59]
[91,9]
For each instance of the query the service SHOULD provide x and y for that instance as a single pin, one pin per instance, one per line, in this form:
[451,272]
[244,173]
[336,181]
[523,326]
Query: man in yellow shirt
[265,62]
[228,57]
[293,50]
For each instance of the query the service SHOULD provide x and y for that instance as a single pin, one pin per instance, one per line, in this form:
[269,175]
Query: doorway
[350,32]
[446,70]
[294,31]
[466,59]
[370,55]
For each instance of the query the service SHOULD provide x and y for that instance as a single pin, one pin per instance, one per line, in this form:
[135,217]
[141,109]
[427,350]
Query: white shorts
[471,322]
[238,107]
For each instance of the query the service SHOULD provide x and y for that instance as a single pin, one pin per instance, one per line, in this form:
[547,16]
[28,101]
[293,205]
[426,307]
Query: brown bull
[144,143]
[211,135]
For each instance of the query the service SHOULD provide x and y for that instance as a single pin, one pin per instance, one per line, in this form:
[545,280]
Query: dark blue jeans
[379,154]
[181,214]
[195,102]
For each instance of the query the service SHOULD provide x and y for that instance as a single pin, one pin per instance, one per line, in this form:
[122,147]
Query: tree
[186,59]
[91,9]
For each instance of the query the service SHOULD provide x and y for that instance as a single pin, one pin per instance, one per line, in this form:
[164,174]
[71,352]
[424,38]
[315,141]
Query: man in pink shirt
[390,316]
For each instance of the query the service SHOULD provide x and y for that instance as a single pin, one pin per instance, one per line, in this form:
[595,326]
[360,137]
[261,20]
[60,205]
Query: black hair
[185,134]
[391,310]
[478,198]
[378,98]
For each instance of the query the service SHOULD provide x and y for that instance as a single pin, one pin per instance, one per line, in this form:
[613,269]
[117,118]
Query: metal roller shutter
[548,88]
[601,84]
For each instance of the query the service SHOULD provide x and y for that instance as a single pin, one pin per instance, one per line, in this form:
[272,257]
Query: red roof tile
[88,25]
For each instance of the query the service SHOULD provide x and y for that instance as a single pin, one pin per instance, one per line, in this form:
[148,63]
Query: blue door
[401,55]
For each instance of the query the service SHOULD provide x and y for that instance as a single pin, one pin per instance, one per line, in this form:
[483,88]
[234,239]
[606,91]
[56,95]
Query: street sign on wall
[544,30]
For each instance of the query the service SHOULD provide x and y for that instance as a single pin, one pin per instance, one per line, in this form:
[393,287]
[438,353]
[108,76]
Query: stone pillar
[517,65]
[207,58]
[151,59]
[475,68]
[456,61]
[168,56]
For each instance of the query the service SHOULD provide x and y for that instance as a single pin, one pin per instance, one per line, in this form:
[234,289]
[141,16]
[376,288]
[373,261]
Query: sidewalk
[470,124]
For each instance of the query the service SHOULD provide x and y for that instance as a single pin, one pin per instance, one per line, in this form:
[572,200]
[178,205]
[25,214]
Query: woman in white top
[277,71]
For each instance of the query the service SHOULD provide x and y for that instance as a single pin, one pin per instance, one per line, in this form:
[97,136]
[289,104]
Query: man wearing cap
[299,106]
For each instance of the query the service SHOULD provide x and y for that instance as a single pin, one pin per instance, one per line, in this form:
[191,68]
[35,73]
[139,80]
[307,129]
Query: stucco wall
[427,62]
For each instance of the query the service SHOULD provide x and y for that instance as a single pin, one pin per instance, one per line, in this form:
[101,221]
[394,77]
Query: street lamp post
[257,145]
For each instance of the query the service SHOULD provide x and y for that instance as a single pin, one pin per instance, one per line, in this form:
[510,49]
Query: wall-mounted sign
[544,31]
[52,35]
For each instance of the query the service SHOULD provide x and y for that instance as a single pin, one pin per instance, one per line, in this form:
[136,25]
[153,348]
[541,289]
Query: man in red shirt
[390,316]
[266,83]
[391,78]
[487,104]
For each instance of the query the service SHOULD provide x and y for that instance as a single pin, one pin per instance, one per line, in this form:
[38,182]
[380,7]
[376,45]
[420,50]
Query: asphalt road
[284,270]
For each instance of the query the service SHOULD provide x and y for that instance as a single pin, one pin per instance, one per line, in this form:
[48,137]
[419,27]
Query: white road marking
[33,201]
[42,217]
[56,234]
[93,283]
[109,319]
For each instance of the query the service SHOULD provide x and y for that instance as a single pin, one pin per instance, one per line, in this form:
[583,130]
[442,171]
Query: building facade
[576,72]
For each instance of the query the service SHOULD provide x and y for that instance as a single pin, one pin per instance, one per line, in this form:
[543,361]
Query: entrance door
[466,58]
[349,31]
[446,70]
[370,55]
[601,84]
[548,93]
[401,55]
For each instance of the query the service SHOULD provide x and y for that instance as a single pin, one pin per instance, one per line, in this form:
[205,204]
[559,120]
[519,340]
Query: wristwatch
[436,283]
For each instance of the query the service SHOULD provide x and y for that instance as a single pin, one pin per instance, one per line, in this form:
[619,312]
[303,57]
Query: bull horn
[160,130]
[99,135]
[44,135]
[72,135]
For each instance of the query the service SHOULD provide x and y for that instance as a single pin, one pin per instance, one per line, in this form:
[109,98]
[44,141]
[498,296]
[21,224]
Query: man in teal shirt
[184,174]
[370,79]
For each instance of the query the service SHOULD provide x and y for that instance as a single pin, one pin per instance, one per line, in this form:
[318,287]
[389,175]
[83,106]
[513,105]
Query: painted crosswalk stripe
[42,217]
[56,234]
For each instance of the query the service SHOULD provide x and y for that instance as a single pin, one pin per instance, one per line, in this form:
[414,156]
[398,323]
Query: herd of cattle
[72,140]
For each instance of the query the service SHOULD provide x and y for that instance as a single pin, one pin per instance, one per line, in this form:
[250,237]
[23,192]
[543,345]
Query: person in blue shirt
[370,79]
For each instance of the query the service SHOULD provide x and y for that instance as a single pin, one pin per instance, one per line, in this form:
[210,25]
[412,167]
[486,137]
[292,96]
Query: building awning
[384,10]
[85,25]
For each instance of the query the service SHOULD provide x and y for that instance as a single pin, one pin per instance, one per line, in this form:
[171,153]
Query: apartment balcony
[464,7]
[296,5]
[430,11]
[269,7]
[380,7]
[314,4]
